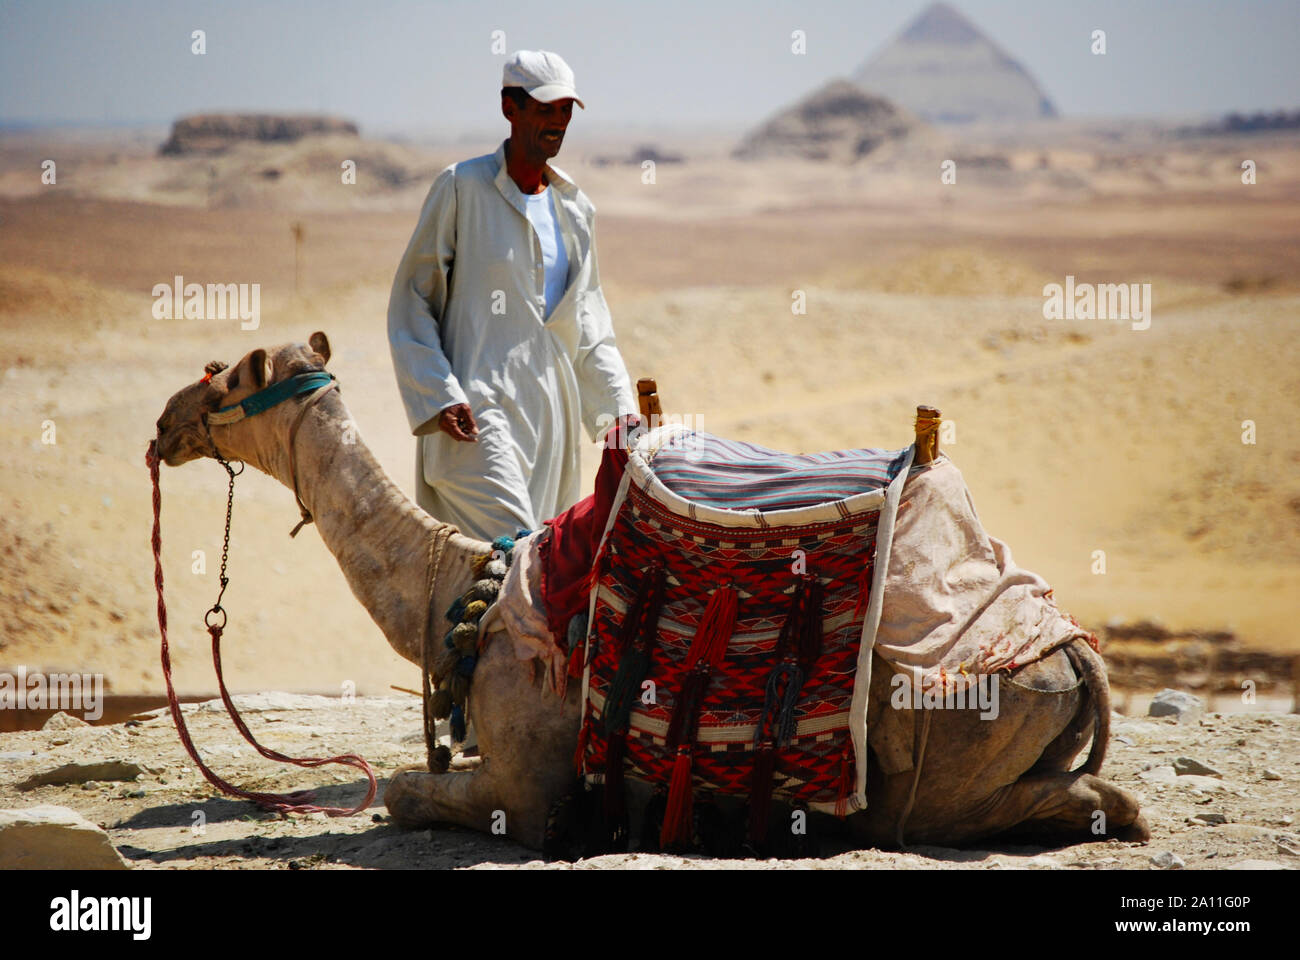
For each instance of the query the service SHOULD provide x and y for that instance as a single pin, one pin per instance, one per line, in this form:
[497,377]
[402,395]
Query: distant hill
[216,132]
[944,70]
[838,122]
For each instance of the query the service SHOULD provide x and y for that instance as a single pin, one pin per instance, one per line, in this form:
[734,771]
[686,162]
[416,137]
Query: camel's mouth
[172,449]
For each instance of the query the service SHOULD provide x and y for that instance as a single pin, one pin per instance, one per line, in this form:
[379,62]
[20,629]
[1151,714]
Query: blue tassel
[457,610]
[504,544]
[577,632]
[465,666]
[458,724]
[785,719]
[448,642]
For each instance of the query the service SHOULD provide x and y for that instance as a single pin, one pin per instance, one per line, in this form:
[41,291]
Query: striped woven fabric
[731,475]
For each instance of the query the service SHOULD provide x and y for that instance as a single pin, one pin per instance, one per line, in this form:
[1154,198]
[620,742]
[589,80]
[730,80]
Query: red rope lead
[297,802]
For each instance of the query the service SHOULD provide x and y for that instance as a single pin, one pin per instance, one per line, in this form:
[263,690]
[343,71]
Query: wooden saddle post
[927,433]
[647,396]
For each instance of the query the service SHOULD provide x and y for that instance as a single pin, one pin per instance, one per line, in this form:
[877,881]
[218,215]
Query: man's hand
[459,422]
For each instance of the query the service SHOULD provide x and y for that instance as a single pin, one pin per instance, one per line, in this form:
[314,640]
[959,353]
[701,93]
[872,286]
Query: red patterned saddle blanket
[723,649]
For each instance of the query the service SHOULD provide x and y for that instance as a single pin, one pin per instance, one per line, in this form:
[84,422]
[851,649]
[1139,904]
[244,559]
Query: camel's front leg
[421,799]
[526,738]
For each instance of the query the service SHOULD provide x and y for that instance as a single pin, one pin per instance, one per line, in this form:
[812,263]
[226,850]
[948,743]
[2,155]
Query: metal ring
[241,466]
[216,609]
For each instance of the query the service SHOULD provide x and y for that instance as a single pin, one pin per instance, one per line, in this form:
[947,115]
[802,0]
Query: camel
[981,779]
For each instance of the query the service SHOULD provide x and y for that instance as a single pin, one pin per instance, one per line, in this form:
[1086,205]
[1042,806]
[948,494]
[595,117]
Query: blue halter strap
[275,394]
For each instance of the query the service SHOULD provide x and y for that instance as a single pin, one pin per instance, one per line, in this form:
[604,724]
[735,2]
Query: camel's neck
[379,537]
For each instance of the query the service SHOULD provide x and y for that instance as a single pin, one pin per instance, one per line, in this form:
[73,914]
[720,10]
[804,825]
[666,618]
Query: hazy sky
[428,66]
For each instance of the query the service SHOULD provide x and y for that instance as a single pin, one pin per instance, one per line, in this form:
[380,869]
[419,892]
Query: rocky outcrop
[51,837]
[211,133]
[944,70]
[838,122]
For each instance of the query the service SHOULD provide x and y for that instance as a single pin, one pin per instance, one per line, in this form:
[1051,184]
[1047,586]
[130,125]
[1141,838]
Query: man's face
[539,127]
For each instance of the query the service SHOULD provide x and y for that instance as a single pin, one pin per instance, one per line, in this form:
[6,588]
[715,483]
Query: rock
[64,721]
[1288,846]
[50,837]
[1160,774]
[1164,860]
[1176,703]
[1243,831]
[273,700]
[1271,774]
[83,772]
[1184,766]
[1206,784]
[216,132]
[1213,819]
[1256,865]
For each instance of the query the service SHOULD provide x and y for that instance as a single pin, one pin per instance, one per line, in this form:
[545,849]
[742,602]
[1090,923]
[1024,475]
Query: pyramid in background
[839,122]
[944,70]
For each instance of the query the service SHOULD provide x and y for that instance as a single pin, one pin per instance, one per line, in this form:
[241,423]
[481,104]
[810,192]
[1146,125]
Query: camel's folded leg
[1076,805]
[465,798]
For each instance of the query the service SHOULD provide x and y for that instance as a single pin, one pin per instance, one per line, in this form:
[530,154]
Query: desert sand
[1074,436]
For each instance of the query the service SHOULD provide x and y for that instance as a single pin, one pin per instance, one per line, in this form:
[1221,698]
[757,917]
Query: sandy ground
[169,817]
[1074,436]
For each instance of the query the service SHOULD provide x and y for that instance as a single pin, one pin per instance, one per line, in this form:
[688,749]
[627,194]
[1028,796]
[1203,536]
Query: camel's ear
[321,344]
[256,366]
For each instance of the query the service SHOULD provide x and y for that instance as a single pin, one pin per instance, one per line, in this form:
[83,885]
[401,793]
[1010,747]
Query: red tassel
[846,781]
[678,817]
[715,629]
[864,591]
[576,660]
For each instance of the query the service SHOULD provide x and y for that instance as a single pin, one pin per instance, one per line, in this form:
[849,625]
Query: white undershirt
[555,259]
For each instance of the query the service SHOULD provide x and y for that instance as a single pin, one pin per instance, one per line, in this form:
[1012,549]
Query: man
[501,339]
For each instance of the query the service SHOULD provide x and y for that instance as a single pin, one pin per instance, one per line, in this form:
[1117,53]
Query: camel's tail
[1091,669]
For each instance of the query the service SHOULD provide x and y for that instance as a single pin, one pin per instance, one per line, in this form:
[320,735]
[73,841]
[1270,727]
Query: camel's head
[183,433]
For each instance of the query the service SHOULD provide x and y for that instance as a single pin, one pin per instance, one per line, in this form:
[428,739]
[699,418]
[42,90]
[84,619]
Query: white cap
[543,75]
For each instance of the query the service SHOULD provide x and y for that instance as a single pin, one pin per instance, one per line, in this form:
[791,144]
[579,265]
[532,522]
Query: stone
[1256,865]
[216,132]
[1164,773]
[1269,774]
[1213,819]
[1179,704]
[1164,860]
[64,721]
[84,773]
[50,837]
[1206,784]
[1184,766]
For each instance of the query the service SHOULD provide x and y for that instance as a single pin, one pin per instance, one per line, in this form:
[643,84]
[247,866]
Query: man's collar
[554,176]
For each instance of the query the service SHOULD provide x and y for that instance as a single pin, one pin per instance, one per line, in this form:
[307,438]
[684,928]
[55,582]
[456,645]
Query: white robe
[466,325]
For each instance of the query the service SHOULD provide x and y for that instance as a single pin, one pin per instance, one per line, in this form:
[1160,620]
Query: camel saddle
[722,603]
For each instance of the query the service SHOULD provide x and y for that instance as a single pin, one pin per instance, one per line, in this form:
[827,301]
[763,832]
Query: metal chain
[225,543]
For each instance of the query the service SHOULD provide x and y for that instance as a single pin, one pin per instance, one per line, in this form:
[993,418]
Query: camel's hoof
[408,799]
[1136,832]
